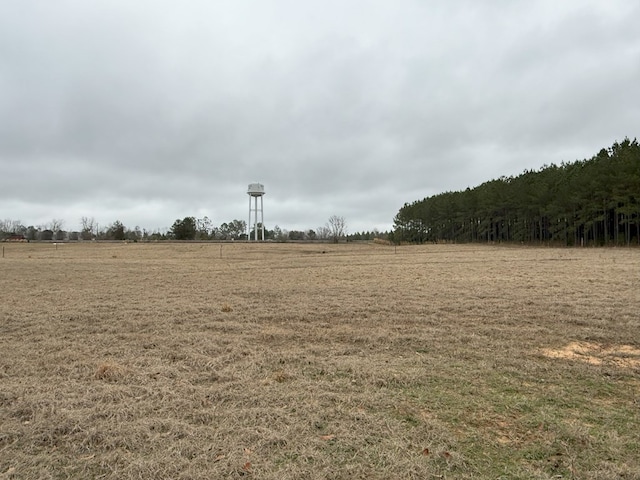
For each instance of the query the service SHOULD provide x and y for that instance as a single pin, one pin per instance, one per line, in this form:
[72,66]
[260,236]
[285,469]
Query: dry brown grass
[280,361]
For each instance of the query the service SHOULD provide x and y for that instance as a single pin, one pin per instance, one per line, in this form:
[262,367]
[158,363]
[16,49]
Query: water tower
[255,191]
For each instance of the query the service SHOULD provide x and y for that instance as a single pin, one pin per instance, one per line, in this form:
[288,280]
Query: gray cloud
[151,111]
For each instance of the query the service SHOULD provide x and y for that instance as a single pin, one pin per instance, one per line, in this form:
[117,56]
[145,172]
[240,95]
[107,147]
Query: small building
[16,238]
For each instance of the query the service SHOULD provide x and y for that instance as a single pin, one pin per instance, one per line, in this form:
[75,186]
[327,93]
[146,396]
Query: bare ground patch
[625,356]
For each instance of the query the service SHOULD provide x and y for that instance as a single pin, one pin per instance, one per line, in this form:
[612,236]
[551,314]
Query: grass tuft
[226,308]
[109,371]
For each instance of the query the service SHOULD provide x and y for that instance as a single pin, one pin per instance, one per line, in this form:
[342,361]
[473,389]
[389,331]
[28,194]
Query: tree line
[187,228]
[190,228]
[588,202]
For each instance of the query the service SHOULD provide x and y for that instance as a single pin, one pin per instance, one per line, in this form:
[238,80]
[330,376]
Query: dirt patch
[625,356]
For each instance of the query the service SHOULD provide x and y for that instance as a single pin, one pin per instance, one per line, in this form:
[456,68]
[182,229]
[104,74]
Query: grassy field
[282,361]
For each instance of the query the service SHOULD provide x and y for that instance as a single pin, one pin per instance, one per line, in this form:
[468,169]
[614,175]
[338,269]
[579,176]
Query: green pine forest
[588,202]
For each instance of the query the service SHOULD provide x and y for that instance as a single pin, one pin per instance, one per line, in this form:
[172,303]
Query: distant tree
[5,226]
[56,225]
[234,230]
[101,233]
[184,229]
[11,227]
[323,233]
[46,235]
[337,228]
[296,235]
[204,228]
[32,233]
[311,234]
[116,231]
[277,233]
[238,229]
[88,225]
[392,237]
[223,232]
[133,235]
[280,234]
[155,236]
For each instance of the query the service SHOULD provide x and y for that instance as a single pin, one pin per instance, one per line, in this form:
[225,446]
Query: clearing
[289,361]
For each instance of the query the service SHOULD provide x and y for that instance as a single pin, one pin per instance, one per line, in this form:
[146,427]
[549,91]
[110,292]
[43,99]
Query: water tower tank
[255,189]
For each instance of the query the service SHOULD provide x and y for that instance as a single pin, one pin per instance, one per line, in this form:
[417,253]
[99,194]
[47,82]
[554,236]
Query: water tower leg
[262,217]
[249,222]
[255,217]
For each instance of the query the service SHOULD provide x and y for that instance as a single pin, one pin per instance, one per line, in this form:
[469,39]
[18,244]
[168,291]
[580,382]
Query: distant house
[16,238]
[46,235]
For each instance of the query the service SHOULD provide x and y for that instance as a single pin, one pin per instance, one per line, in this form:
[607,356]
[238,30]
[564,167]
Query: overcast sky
[151,110]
